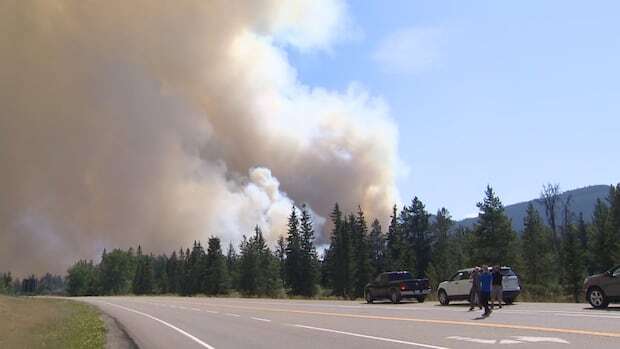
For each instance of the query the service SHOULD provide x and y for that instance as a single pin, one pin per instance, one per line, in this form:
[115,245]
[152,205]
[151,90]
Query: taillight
[403,287]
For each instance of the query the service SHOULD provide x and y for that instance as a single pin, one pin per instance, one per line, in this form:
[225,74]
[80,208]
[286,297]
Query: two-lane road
[177,322]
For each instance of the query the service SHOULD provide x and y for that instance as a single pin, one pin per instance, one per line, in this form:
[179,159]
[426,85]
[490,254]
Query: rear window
[399,276]
[508,272]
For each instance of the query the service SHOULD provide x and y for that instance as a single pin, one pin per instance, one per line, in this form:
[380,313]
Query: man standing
[474,293]
[498,290]
[486,280]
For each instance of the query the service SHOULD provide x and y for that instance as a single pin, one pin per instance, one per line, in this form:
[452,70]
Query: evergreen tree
[310,264]
[196,269]
[573,263]
[217,278]
[601,249]
[341,262]
[416,228]
[377,248]
[160,274]
[442,265]
[173,271]
[232,267]
[294,255]
[614,212]
[281,255]
[143,278]
[395,244]
[259,272]
[493,238]
[537,252]
[361,252]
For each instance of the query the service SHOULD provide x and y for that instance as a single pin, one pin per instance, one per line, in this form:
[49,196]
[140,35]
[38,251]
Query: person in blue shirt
[486,279]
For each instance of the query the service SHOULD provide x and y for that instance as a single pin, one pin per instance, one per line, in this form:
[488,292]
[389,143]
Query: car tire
[443,297]
[597,298]
[421,299]
[395,296]
[369,298]
[509,301]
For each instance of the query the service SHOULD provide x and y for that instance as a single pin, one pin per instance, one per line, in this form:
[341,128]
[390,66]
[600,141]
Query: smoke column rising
[159,122]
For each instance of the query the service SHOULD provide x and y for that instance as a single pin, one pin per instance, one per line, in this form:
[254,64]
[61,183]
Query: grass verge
[49,323]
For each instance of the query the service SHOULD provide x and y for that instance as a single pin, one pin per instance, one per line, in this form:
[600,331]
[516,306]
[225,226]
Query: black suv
[396,285]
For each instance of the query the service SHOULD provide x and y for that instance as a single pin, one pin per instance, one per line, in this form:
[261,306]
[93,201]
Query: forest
[552,254]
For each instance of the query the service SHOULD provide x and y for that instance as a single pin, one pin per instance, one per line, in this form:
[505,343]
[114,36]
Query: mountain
[582,200]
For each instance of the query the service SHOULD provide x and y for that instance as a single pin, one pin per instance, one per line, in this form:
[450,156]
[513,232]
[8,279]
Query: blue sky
[514,94]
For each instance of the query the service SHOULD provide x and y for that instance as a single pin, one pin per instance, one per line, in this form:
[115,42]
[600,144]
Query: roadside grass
[28,322]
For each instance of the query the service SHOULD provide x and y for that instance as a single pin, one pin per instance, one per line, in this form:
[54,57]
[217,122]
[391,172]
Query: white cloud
[408,50]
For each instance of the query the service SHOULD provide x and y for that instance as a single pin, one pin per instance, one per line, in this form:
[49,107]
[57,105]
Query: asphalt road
[177,322]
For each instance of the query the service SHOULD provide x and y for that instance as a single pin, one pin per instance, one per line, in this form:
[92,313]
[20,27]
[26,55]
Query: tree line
[552,254]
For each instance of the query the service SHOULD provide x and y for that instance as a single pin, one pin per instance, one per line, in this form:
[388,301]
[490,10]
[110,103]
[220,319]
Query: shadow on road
[606,309]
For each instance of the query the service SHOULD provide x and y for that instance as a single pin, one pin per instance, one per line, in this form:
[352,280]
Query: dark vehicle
[602,289]
[396,285]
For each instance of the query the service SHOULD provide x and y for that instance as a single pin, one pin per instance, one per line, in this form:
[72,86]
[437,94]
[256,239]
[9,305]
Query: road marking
[212,312]
[541,339]
[593,316]
[195,309]
[260,319]
[473,340]
[431,321]
[163,323]
[371,337]
[233,315]
[509,341]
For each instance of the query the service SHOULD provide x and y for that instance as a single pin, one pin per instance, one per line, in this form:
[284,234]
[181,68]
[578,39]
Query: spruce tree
[232,266]
[442,265]
[377,248]
[341,261]
[601,248]
[537,252]
[361,253]
[493,238]
[614,212]
[281,255]
[310,263]
[419,236]
[395,244]
[217,278]
[173,271]
[573,271]
[294,255]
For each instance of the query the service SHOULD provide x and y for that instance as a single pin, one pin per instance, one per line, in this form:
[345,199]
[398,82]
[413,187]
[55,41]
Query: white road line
[383,339]
[195,309]
[233,315]
[260,319]
[163,323]
[541,339]
[473,340]
[212,312]
[593,316]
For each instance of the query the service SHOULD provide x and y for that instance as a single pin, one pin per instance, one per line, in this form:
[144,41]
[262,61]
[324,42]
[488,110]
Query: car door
[458,283]
[611,286]
[464,285]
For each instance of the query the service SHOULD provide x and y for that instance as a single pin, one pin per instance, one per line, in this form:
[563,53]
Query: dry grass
[27,322]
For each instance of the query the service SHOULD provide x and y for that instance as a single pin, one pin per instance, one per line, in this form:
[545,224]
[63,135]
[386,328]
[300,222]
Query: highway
[199,322]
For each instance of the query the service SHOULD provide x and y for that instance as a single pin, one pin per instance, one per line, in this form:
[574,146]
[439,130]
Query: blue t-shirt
[485,282]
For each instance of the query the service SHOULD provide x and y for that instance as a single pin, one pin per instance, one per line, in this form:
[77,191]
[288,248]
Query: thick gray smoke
[161,122]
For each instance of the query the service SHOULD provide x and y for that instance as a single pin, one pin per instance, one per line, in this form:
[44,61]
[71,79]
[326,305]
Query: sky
[512,94]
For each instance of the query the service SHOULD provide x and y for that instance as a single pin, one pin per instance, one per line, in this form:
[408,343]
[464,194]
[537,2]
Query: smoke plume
[161,122]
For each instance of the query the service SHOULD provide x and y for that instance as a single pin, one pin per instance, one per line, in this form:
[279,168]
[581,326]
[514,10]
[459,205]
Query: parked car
[396,285]
[602,289]
[459,285]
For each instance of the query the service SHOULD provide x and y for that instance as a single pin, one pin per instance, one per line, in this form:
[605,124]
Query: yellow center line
[428,321]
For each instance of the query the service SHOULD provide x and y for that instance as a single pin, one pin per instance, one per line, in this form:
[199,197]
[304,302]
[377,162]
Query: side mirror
[609,273]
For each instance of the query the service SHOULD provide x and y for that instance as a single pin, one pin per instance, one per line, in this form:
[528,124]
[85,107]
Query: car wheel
[509,301]
[395,297]
[443,298]
[421,299]
[369,298]
[597,298]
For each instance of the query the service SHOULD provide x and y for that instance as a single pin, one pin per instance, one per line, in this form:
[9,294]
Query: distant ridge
[582,201]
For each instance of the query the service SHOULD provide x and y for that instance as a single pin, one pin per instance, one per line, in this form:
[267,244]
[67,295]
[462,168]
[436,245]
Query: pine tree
[232,266]
[573,263]
[173,273]
[441,266]
[601,249]
[614,212]
[341,262]
[281,254]
[217,278]
[416,227]
[395,244]
[361,253]
[377,248]
[493,238]
[160,274]
[537,252]
[310,263]
[294,255]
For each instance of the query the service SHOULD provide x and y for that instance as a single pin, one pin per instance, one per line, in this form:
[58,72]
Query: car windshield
[400,276]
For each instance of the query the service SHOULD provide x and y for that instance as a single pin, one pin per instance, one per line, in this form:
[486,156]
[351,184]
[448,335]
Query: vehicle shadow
[383,302]
[606,309]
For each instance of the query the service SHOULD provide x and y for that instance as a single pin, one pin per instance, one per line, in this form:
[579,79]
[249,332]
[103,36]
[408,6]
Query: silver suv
[459,285]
